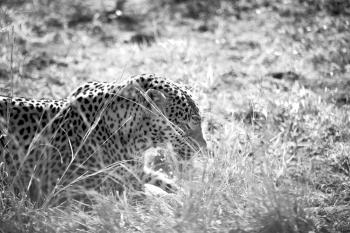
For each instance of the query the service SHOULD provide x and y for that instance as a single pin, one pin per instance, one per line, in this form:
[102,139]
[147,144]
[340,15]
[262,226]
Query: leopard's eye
[196,118]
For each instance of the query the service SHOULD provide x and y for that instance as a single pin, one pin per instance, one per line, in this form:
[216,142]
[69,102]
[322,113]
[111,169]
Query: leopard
[97,136]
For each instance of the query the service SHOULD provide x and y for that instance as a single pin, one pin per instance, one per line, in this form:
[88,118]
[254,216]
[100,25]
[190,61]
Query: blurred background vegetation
[317,28]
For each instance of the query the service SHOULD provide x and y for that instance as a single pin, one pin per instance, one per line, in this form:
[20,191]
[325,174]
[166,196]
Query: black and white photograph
[174,116]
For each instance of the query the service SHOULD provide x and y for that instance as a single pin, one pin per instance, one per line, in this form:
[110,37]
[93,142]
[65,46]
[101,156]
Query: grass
[270,77]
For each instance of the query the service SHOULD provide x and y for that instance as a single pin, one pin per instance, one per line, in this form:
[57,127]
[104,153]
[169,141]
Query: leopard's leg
[158,179]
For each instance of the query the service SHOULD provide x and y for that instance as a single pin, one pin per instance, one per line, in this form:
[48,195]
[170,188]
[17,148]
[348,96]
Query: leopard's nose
[200,141]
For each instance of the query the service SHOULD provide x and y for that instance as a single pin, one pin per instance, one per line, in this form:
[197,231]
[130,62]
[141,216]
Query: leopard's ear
[131,91]
[157,98]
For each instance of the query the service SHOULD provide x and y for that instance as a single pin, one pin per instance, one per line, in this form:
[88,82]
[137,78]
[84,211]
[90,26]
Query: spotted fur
[97,135]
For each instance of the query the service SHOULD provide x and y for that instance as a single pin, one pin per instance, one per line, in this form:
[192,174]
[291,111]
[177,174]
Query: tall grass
[224,190]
